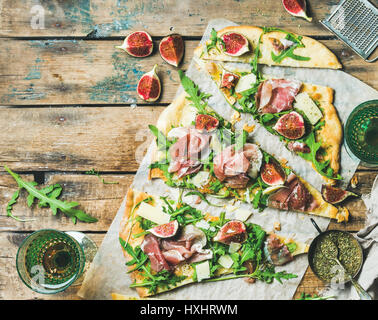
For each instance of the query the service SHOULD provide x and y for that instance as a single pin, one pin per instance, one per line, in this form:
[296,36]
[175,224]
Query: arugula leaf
[93,172]
[162,142]
[288,53]
[213,38]
[195,96]
[203,197]
[48,198]
[268,275]
[307,296]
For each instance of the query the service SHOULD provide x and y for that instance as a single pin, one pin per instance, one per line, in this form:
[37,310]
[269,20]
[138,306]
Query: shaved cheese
[203,224]
[226,261]
[305,104]
[272,188]
[203,270]
[154,214]
[242,214]
[246,82]
[201,178]
[234,247]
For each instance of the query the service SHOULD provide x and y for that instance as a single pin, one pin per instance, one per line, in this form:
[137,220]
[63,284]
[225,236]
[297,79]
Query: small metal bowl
[313,244]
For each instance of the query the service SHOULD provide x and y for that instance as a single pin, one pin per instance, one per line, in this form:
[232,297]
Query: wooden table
[68,100]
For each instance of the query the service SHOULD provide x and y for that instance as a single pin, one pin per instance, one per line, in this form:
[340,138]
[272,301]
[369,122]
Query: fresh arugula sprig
[307,296]
[214,39]
[93,172]
[47,198]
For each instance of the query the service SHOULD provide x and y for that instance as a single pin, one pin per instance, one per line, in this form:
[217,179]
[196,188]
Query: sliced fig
[296,8]
[149,86]
[272,174]
[137,44]
[335,195]
[165,230]
[290,125]
[232,231]
[229,80]
[171,49]
[206,122]
[234,44]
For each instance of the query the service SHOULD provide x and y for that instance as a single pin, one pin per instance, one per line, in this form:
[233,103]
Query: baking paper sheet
[107,273]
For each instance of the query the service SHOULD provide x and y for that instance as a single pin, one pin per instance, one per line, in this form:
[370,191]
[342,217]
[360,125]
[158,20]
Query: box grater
[355,22]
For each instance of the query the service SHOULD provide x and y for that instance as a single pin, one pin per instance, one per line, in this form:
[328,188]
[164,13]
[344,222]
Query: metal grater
[355,22]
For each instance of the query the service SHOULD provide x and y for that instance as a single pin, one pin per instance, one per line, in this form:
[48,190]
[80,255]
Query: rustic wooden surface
[68,101]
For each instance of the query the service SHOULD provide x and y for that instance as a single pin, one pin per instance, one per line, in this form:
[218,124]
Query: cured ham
[151,247]
[298,147]
[187,152]
[188,246]
[293,196]
[233,167]
[276,251]
[276,95]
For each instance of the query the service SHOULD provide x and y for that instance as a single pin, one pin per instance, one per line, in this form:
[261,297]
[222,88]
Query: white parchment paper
[107,273]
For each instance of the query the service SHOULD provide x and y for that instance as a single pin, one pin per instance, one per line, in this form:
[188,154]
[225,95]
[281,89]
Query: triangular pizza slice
[301,114]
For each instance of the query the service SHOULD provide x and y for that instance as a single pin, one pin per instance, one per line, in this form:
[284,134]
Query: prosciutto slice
[233,166]
[187,152]
[276,251]
[188,246]
[294,196]
[276,95]
[151,247]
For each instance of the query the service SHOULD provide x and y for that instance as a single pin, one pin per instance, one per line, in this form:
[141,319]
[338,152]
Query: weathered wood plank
[100,200]
[48,72]
[11,286]
[117,18]
[103,201]
[75,139]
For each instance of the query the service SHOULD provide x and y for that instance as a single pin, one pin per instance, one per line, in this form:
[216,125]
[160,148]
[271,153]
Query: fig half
[296,8]
[290,125]
[166,230]
[206,122]
[234,44]
[335,195]
[171,49]
[272,174]
[137,44]
[149,86]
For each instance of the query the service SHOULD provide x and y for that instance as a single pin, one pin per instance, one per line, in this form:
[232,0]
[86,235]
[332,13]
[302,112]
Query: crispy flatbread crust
[320,55]
[171,117]
[127,226]
[331,134]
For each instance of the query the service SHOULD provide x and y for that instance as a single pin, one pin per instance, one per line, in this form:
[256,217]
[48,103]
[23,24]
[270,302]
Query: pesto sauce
[349,254]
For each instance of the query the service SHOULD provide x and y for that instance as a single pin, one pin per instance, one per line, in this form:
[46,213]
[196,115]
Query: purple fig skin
[149,86]
[171,49]
[296,8]
[138,44]
[335,195]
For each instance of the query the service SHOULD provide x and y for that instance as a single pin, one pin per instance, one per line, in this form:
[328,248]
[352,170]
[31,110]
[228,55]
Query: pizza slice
[169,244]
[270,46]
[197,149]
[301,114]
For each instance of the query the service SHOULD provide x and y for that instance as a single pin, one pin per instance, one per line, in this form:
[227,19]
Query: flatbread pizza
[169,244]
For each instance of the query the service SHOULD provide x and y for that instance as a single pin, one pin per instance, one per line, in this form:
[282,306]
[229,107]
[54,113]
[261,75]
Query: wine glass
[49,261]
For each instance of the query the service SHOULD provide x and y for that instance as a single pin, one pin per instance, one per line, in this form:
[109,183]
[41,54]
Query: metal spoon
[331,252]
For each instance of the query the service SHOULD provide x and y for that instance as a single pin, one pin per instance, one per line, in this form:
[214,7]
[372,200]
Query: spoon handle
[361,292]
